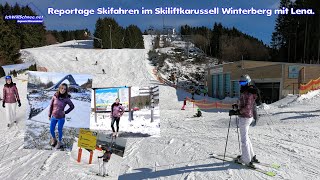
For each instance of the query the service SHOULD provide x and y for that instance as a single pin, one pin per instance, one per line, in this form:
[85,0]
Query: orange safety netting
[310,86]
[203,104]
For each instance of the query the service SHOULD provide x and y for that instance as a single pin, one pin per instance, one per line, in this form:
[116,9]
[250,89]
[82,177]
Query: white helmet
[244,80]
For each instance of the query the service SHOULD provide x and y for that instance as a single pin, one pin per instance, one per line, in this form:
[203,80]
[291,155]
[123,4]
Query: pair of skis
[256,168]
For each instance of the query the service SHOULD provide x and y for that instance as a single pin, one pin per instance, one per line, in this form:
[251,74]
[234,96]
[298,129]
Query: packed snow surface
[287,132]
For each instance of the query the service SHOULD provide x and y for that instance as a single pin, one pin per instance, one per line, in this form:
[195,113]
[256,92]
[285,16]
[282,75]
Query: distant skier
[96,63]
[10,99]
[205,92]
[76,58]
[184,104]
[192,92]
[106,157]
[246,103]
[57,114]
[198,114]
[103,72]
[117,111]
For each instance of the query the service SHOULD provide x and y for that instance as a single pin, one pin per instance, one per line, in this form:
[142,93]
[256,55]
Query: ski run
[287,132]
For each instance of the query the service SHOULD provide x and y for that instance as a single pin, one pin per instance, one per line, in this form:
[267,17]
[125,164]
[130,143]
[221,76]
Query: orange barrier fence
[204,104]
[310,86]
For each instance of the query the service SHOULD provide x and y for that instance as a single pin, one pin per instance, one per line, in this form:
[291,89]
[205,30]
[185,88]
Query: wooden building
[274,79]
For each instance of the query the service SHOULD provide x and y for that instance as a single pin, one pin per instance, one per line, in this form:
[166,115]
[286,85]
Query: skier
[103,72]
[117,111]
[205,92]
[96,63]
[76,58]
[57,114]
[10,99]
[184,104]
[106,157]
[247,100]
[254,90]
[192,93]
[198,114]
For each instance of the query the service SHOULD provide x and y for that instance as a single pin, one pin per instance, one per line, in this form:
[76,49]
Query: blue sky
[259,26]
[108,90]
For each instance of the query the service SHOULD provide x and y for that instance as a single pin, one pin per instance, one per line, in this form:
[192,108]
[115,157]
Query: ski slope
[287,133]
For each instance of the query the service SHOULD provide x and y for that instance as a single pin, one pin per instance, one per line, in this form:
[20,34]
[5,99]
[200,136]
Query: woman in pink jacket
[116,112]
[57,114]
[246,107]
[10,99]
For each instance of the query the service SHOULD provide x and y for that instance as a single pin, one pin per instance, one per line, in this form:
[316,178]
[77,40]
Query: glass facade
[227,85]
[235,89]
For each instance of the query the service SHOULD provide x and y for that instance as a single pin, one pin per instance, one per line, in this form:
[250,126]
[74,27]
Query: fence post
[90,159]
[79,154]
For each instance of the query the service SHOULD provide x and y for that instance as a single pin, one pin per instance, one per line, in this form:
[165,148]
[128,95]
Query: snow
[288,133]
[141,124]
[16,67]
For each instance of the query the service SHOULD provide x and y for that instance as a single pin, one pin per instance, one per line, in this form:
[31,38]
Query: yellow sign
[87,139]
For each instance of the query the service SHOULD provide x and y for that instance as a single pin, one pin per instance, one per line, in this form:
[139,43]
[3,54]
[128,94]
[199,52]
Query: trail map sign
[293,72]
[87,139]
[105,97]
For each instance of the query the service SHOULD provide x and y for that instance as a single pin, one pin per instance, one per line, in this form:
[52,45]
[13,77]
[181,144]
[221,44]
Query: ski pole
[225,149]
[99,166]
[237,120]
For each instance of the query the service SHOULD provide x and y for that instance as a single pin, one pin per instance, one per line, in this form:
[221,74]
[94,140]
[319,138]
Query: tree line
[110,34]
[15,36]
[226,44]
[297,37]
[54,36]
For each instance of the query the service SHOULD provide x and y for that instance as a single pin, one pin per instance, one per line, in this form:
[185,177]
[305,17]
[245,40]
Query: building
[274,79]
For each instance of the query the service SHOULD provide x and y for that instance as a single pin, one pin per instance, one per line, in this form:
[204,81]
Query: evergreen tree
[133,38]
[9,45]
[110,32]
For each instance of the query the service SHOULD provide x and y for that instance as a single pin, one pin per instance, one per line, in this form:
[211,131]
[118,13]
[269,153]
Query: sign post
[87,140]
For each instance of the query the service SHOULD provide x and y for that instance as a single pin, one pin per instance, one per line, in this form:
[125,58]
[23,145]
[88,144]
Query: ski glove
[19,103]
[3,104]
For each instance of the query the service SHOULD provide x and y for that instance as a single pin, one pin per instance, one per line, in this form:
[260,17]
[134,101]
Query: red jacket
[10,93]
[247,102]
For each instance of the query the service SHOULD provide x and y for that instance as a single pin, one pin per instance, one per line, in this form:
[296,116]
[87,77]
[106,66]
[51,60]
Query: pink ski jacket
[10,93]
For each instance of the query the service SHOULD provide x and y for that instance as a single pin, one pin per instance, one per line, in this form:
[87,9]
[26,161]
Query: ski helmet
[8,77]
[244,80]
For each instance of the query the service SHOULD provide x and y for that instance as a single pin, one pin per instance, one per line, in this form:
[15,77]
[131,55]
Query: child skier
[10,99]
[198,114]
[106,157]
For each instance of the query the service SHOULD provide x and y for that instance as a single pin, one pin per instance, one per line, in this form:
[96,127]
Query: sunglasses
[242,83]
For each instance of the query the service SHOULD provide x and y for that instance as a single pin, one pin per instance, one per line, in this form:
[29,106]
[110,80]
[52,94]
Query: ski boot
[254,159]
[59,145]
[53,142]
[240,161]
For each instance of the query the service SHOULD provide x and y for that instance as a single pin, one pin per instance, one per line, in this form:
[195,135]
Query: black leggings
[117,119]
